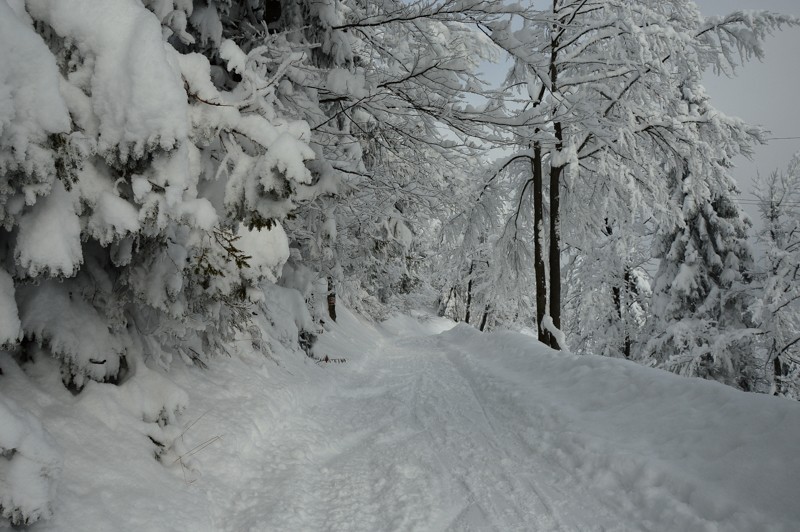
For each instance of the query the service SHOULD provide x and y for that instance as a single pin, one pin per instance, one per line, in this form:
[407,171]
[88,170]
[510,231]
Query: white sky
[764,93]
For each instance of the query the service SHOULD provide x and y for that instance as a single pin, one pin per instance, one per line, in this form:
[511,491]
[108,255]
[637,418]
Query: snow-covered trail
[404,442]
[419,431]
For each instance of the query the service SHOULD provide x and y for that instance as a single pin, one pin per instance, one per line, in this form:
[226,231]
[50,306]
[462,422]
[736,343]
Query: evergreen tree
[701,325]
[778,307]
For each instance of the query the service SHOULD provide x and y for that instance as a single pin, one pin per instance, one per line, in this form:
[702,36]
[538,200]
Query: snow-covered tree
[487,255]
[155,202]
[146,166]
[701,324]
[778,308]
[607,294]
[613,98]
[377,94]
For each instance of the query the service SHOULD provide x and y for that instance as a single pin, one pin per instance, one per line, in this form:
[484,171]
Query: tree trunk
[555,198]
[331,299]
[555,251]
[469,292]
[444,303]
[630,290]
[779,372]
[616,296]
[538,244]
[485,317]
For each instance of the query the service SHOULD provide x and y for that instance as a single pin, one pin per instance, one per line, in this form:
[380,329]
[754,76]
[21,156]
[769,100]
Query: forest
[185,180]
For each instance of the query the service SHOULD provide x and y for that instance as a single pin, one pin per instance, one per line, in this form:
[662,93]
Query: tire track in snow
[616,488]
[521,503]
[551,491]
[368,465]
[533,485]
[404,441]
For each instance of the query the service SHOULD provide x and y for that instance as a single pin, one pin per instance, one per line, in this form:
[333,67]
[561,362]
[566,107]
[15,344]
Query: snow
[267,249]
[400,232]
[428,425]
[291,306]
[30,104]
[29,465]
[137,93]
[112,217]
[206,20]
[195,69]
[49,237]
[154,377]
[71,327]
[341,81]
[110,479]
[236,58]
[287,154]
[10,327]
[560,337]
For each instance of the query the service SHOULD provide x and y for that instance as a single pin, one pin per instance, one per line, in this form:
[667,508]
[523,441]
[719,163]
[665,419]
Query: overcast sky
[764,93]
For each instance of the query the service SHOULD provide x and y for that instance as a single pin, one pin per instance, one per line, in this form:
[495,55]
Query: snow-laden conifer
[778,305]
[701,325]
[145,169]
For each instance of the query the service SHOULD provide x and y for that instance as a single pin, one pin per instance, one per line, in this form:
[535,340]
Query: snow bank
[104,473]
[161,450]
[71,328]
[694,453]
[288,312]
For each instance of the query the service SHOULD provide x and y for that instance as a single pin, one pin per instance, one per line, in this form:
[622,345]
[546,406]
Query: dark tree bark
[780,371]
[331,299]
[555,197]
[630,286]
[469,292]
[538,245]
[555,249]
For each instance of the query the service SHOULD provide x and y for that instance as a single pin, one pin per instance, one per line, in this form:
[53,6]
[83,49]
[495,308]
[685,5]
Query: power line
[782,138]
[765,202]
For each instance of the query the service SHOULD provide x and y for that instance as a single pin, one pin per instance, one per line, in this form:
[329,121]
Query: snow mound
[29,466]
[267,249]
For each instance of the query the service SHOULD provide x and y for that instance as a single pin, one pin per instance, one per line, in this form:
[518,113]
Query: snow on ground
[428,427]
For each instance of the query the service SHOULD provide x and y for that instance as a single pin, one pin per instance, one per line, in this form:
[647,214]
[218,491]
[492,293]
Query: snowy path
[412,446]
[421,433]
